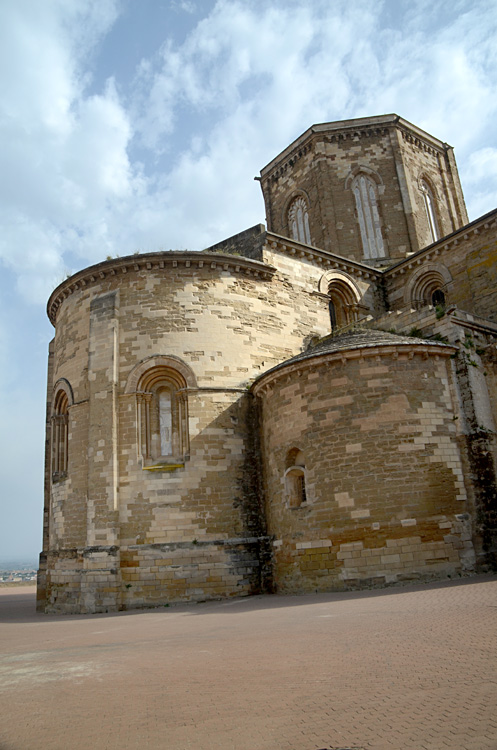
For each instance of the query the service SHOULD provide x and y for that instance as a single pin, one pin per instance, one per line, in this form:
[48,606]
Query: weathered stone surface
[271,414]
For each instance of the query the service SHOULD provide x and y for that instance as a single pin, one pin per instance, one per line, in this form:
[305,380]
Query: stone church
[307,407]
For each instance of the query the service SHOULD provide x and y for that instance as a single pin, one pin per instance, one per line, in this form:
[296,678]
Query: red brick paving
[413,668]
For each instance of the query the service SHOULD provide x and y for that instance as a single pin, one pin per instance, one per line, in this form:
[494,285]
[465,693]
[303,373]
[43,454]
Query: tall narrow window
[333,314]
[298,221]
[165,421]
[60,430]
[364,190]
[429,204]
[162,416]
[342,304]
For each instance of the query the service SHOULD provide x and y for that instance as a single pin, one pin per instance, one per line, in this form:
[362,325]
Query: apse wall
[362,467]
[150,474]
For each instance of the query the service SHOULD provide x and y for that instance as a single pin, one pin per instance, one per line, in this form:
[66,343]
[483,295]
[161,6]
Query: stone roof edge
[322,257]
[469,320]
[155,260]
[352,352]
[358,123]
[483,223]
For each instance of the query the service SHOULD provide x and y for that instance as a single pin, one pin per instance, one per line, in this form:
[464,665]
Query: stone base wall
[81,581]
[440,549]
[158,574]
[97,579]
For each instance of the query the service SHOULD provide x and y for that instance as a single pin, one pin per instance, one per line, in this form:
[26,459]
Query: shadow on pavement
[20,605]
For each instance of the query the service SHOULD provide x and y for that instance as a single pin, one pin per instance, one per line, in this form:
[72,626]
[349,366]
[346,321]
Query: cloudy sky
[131,125]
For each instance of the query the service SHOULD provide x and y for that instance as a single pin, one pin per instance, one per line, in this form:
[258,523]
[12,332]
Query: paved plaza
[411,668]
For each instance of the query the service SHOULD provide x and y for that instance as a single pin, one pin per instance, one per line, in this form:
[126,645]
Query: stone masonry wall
[438,169]
[321,168]
[469,262]
[110,513]
[321,175]
[384,481]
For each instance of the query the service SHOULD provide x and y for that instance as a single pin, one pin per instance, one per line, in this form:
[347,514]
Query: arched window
[429,286]
[429,204]
[298,221]
[60,435]
[333,314]
[162,416]
[342,304]
[366,199]
[438,298]
[295,487]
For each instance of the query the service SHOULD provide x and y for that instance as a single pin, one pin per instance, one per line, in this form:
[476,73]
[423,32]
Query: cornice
[264,382]
[327,261]
[482,225]
[155,262]
[428,145]
[342,130]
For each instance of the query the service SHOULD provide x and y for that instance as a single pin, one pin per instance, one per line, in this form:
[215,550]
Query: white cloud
[167,160]
[64,154]
[480,174]
[211,110]
[482,165]
[251,76]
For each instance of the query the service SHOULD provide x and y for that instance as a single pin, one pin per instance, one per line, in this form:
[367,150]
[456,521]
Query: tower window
[429,204]
[366,200]
[298,221]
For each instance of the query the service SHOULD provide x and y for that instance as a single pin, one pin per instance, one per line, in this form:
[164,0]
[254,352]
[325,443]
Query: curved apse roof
[358,338]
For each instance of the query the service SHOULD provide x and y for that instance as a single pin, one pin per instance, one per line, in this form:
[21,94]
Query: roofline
[153,261]
[330,261]
[418,346]
[358,122]
[483,222]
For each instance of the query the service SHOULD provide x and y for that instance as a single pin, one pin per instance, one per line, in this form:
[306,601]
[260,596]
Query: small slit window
[295,479]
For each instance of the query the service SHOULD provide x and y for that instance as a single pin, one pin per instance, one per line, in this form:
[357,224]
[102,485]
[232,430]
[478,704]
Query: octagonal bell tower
[372,189]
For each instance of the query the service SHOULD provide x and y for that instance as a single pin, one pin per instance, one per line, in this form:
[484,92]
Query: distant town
[17,571]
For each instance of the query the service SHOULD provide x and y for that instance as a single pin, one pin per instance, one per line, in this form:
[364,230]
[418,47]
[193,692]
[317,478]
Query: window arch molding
[367,187]
[64,385]
[159,360]
[344,298]
[303,228]
[338,276]
[424,283]
[424,178]
[368,172]
[160,385]
[62,399]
